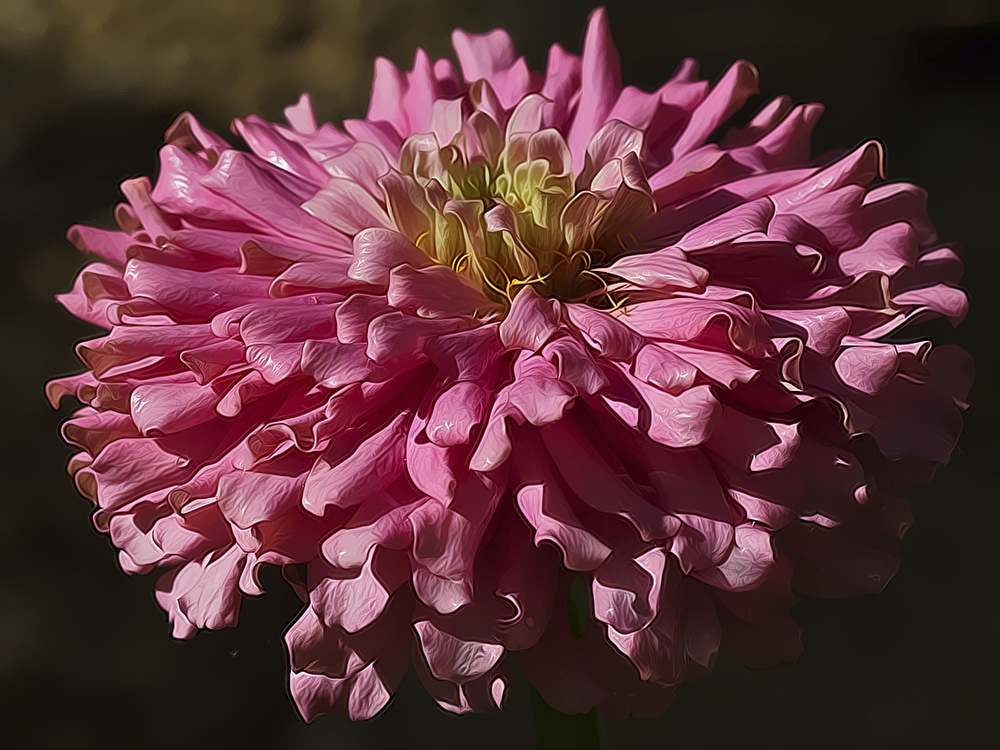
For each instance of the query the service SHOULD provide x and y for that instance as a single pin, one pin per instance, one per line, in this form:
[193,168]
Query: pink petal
[371,467]
[735,87]
[483,55]
[435,292]
[456,413]
[387,96]
[530,322]
[346,206]
[600,82]
[550,515]
[453,659]
[627,592]
[248,498]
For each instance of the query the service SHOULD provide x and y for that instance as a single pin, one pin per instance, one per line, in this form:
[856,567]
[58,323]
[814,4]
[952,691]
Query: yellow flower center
[511,214]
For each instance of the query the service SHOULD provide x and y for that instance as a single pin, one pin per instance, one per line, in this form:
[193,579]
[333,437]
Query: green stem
[555,729]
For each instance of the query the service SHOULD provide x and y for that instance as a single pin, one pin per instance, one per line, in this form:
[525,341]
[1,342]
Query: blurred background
[87,89]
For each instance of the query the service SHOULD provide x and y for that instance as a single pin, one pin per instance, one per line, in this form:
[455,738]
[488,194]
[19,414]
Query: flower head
[510,330]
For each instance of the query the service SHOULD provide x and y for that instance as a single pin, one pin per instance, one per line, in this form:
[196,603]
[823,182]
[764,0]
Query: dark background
[86,91]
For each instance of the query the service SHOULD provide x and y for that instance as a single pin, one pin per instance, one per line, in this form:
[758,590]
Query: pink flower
[510,330]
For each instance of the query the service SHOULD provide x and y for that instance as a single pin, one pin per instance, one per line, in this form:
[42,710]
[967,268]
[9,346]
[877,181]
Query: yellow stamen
[591,273]
[500,268]
[527,282]
[495,288]
[490,283]
[588,260]
[616,304]
[417,242]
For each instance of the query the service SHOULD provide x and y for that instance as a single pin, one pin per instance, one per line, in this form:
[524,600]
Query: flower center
[507,211]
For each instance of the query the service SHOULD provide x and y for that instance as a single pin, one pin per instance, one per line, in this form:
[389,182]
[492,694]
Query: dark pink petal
[550,514]
[597,485]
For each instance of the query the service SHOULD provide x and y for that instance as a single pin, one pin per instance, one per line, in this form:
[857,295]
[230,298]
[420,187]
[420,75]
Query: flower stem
[555,729]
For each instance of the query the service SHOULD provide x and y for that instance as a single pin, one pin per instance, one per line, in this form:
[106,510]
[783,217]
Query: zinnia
[508,331]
